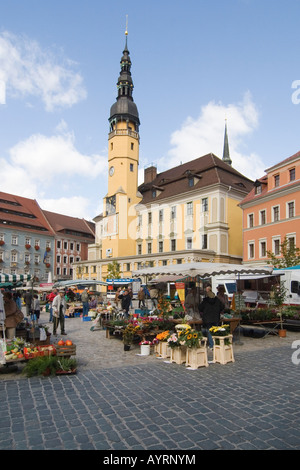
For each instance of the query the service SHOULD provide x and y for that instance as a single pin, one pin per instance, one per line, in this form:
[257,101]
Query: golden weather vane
[126,31]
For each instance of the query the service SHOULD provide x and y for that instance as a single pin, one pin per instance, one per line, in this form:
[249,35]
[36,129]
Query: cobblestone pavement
[122,401]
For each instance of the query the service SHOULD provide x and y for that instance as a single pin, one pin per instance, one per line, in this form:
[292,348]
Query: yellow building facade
[185,214]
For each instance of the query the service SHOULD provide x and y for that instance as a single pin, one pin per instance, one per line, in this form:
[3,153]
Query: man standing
[59,306]
[126,300]
[85,302]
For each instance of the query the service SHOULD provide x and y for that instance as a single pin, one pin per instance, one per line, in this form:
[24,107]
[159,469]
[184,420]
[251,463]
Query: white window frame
[288,209]
[273,213]
[261,255]
[260,217]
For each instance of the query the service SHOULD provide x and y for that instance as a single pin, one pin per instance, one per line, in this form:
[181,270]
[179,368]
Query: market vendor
[13,315]
[125,302]
[93,303]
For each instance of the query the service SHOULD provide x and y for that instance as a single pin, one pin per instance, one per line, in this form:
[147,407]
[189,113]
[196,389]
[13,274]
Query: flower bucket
[196,357]
[126,347]
[145,349]
[165,350]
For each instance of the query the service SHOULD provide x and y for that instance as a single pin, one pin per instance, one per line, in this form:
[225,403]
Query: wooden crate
[65,351]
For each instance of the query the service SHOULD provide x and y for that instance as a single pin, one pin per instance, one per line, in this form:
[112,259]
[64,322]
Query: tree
[113,270]
[290,255]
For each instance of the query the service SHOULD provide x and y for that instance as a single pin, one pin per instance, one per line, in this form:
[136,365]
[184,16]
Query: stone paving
[122,401]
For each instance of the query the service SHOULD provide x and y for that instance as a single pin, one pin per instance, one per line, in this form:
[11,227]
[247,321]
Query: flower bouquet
[190,338]
[163,336]
[223,330]
[173,341]
[128,335]
[161,346]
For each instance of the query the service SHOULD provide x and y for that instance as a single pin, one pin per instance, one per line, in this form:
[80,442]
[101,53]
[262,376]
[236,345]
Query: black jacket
[125,301]
[210,309]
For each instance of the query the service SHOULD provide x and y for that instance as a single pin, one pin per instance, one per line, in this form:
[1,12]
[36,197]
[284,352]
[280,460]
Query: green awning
[13,278]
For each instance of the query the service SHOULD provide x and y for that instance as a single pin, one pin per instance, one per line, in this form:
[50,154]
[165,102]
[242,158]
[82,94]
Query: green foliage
[289,255]
[39,365]
[113,270]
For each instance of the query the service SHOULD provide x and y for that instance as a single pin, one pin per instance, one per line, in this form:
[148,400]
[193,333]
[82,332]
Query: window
[161,215]
[165,262]
[149,217]
[65,272]
[27,258]
[276,214]
[14,240]
[191,181]
[173,245]
[291,242]
[65,245]
[276,245]
[27,241]
[250,220]
[173,212]
[127,267]
[204,242]
[189,243]
[292,174]
[291,209]
[58,244]
[131,166]
[262,217]
[179,261]
[189,208]
[65,259]
[14,257]
[276,181]
[58,258]
[132,147]
[71,259]
[258,189]
[161,247]
[153,193]
[149,245]
[71,246]
[263,249]
[205,204]
[139,249]
[78,246]
[251,250]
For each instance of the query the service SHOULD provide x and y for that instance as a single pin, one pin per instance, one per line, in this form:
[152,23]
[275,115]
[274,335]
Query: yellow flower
[189,337]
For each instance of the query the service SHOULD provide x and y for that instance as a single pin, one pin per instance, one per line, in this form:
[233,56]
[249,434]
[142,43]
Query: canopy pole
[239,342]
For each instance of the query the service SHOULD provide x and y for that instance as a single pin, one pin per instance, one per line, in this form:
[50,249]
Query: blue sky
[194,63]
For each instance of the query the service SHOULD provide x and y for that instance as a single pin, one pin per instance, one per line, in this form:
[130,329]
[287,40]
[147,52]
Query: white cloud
[52,171]
[75,206]
[205,134]
[27,69]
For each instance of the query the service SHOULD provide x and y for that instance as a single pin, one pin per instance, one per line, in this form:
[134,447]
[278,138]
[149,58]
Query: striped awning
[4,278]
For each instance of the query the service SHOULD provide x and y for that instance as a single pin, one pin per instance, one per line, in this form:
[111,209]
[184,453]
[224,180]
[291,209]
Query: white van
[291,279]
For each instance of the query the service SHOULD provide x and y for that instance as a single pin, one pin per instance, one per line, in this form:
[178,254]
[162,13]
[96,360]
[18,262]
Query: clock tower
[123,160]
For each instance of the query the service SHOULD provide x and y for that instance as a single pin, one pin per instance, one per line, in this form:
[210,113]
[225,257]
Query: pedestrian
[36,307]
[13,315]
[117,300]
[18,300]
[192,303]
[210,310]
[154,296]
[28,302]
[50,298]
[85,302]
[131,296]
[93,302]
[141,298]
[222,296]
[125,302]
[59,306]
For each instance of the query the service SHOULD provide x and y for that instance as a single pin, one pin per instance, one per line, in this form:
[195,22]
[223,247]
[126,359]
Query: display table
[223,351]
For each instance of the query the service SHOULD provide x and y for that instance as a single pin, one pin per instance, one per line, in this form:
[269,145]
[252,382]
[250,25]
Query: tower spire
[226,155]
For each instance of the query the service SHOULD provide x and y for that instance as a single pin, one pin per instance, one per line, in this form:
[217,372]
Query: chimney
[150,174]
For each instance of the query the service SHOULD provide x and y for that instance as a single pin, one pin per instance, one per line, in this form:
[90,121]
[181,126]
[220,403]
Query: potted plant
[145,347]
[66,366]
[128,335]
[36,247]
[41,365]
[27,246]
[2,242]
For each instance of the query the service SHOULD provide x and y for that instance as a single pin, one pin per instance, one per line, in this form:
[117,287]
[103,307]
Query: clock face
[111,170]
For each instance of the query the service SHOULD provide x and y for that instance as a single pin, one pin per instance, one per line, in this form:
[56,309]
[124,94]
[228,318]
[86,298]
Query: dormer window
[153,193]
[191,181]
[258,189]
[276,181]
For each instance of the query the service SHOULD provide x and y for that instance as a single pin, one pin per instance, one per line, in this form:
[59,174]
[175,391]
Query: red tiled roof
[22,214]
[60,222]
[209,169]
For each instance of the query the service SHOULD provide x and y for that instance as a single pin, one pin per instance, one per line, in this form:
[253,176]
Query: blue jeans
[85,308]
[51,314]
[207,333]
